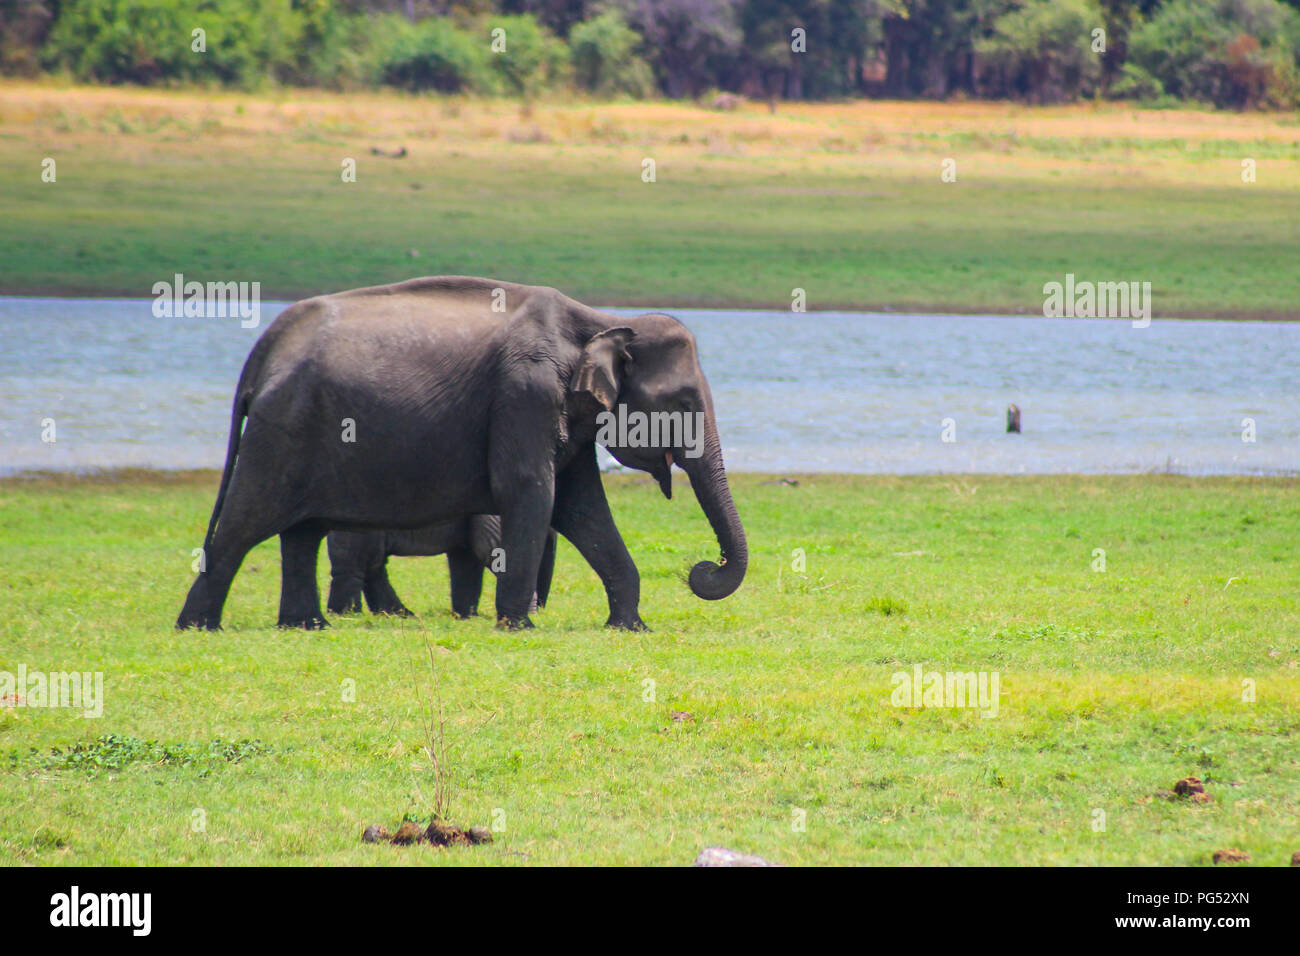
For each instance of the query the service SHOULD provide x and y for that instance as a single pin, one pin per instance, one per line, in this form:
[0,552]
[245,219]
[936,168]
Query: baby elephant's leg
[380,596]
[466,582]
[347,571]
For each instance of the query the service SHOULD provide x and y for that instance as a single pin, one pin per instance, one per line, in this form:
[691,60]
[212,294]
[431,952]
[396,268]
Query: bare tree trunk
[794,85]
[895,57]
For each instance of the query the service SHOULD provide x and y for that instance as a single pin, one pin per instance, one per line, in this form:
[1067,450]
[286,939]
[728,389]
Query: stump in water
[1013,419]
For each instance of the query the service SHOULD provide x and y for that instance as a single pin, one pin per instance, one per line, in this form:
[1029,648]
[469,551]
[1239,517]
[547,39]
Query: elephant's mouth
[658,464]
[663,473]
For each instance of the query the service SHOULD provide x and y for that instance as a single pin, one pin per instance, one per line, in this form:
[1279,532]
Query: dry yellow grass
[995,140]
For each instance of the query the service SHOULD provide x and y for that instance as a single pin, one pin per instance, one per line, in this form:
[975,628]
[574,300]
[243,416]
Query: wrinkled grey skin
[457,408]
[359,564]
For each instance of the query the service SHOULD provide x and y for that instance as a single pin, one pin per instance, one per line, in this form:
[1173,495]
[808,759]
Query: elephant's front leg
[522,468]
[524,525]
[582,515]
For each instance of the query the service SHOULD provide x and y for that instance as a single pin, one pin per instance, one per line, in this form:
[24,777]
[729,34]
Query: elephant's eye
[677,400]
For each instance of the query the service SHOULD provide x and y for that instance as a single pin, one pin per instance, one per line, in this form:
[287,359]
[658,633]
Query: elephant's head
[643,383]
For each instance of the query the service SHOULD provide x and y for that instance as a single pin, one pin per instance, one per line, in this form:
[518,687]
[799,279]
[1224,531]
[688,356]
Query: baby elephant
[359,563]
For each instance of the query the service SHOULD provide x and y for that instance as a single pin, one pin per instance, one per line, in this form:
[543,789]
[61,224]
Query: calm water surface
[844,392]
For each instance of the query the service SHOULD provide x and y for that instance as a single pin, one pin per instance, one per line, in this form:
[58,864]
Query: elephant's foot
[521,623]
[311,622]
[627,622]
[202,607]
[353,607]
[394,610]
[464,613]
[199,621]
[341,603]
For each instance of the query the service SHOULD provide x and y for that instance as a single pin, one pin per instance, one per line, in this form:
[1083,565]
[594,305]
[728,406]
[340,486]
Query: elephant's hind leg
[299,593]
[238,532]
[207,594]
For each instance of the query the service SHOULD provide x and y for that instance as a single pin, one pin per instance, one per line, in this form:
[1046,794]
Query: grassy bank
[1113,684]
[844,201]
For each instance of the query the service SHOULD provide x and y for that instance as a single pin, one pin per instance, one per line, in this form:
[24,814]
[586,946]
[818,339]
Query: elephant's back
[407,340]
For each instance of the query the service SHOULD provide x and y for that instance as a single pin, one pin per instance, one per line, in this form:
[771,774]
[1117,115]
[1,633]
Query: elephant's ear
[599,374]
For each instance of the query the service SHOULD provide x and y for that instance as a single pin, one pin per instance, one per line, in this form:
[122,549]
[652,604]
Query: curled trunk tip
[713,582]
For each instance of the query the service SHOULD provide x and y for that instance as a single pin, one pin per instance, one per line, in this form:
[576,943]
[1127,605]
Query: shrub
[123,41]
[151,41]
[532,58]
[23,28]
[433,54]
[1135,83]
[337,48]
[603,51]
[1043,51]
[1232,53]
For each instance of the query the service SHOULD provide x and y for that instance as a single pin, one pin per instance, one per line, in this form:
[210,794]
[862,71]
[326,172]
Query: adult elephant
[402,405]
[359,564]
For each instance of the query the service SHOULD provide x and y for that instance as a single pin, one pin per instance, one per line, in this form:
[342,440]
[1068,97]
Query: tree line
[1227,53]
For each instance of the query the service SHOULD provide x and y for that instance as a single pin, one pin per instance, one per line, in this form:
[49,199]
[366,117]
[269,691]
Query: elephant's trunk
[709,479]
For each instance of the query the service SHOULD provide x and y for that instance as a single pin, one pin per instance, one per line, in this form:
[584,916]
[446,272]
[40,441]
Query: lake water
[840,392]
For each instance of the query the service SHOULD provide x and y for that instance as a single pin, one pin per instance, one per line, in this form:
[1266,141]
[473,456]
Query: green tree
[689,39]
[433,54]
[604,56]
[525,55]
[807,48]
[929,45]
[1043,51]
[243,42]
[1233,53]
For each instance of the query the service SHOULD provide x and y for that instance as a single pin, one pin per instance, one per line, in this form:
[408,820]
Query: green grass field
[844,201]
[1113,684]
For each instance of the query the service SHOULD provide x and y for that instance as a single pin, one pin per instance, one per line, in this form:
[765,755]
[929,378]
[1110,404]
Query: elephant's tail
[237,414]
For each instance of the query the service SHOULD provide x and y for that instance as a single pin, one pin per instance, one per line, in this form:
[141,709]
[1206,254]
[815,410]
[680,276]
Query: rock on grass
[441,833]
[408,833]
[720,856]
[437,833]
[1189,788]
[1230,856]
